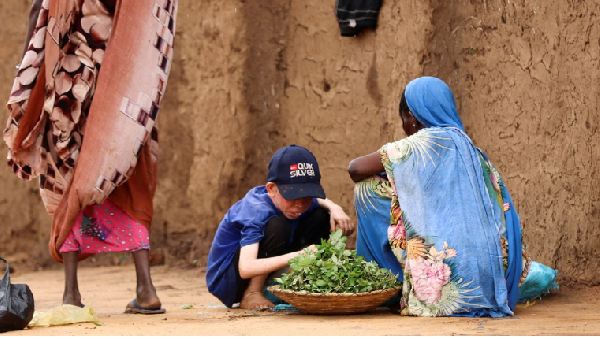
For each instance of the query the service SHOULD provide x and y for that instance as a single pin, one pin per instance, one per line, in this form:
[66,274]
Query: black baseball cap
[296,172]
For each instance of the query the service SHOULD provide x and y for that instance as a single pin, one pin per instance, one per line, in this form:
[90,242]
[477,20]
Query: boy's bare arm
[338,216]
[250,266]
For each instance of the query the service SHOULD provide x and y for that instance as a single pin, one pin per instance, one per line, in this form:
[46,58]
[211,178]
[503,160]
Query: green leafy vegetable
[334,269]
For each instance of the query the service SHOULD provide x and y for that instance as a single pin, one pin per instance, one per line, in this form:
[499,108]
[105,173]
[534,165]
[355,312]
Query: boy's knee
[319,221]
[278,228]
[320,215]
[276,237]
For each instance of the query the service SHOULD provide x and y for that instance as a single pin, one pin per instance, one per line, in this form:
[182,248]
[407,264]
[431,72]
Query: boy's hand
[310,248]
[339,220]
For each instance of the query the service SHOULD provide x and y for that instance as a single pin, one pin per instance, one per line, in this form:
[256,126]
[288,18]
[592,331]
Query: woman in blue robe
[432,208]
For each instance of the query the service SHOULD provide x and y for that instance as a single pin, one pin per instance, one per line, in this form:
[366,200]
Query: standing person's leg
[146,296]
[71,294]
[311,229]
[274,243]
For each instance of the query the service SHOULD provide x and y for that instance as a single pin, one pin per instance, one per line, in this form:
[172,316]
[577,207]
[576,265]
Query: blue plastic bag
[539,281]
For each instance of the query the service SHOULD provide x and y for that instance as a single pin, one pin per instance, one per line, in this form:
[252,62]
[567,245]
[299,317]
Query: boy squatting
[272,224]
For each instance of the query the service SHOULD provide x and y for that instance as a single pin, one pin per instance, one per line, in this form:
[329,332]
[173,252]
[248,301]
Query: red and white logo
[302,169]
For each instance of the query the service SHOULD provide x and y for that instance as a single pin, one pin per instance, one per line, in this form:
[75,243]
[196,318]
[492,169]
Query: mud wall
[526,78]
[251,76]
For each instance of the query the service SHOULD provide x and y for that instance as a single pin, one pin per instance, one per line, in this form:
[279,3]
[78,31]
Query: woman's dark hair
[403,107]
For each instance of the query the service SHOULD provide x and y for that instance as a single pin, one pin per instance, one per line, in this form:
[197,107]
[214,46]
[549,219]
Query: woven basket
[334,303]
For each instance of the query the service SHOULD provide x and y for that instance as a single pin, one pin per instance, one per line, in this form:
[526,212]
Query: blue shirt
[244,224]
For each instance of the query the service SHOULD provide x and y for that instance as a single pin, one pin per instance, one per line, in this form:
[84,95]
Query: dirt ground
[108,289]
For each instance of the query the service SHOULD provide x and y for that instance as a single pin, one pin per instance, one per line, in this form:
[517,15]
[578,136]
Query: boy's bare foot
[255,300]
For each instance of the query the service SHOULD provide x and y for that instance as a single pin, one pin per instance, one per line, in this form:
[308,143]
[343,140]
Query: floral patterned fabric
[386,245]
[443,204]
[372,204]
[453,226]
[451,251]
[430,279]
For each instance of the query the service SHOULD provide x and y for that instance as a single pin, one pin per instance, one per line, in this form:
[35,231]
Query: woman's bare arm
[365,166]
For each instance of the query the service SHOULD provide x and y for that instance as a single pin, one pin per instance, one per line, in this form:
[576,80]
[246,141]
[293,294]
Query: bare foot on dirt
[72,297]
[255,300]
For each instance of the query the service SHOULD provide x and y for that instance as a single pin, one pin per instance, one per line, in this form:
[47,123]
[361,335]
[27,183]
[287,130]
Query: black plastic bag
[16,304]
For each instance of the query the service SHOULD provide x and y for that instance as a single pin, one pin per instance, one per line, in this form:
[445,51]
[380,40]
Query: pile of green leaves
[334,269]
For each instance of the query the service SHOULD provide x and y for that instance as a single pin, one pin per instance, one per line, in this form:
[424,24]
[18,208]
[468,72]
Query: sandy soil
[108,289]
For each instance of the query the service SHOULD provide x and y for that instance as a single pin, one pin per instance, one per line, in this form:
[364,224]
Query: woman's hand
[338,218]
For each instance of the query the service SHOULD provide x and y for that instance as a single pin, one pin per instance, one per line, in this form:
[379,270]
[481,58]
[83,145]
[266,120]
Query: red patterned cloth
[103,228]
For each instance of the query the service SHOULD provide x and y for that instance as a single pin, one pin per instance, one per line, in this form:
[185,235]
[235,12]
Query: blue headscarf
[432,103]
[438,200]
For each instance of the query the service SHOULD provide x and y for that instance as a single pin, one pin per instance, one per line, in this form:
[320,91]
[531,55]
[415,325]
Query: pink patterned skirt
[106,228]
